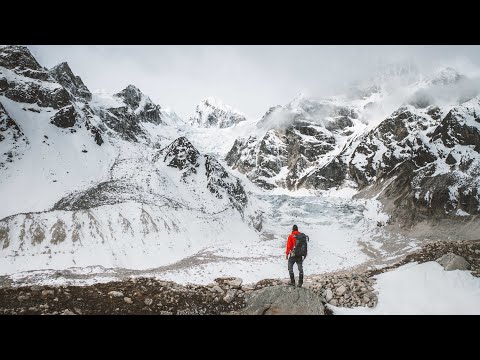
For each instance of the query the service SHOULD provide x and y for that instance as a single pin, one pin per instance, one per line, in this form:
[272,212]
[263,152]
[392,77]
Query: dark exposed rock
[33,83]
[139,105]
[331,175]
[64,75]
[95,132]
[123,123]
[453,130]
[33,92]
[435,113]
[126,120]
[20,60]
[299,135]
[181,154]
[220,180]
[65,118]
[450,160]
[265,158]
[131,96]
[339,123]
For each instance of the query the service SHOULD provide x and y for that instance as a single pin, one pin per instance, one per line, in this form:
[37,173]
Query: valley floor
[414,285]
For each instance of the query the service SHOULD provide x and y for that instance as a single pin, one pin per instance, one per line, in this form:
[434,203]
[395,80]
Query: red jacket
[291,241]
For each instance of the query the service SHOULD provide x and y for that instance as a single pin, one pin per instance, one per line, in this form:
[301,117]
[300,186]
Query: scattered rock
[329,295]
[127,300]
[218,289]
[148,301]
[230,296]
[45,293]
[23,297]
[235,283]
[115,294]
[341,290]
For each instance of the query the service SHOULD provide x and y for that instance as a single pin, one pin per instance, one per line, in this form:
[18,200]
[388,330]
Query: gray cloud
[249,78]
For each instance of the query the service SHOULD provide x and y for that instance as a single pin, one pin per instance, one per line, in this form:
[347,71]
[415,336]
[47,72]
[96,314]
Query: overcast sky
[248,78]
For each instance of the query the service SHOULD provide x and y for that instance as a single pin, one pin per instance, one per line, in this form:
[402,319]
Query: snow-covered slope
[49,142]
[155,207]
[84,180]
[212,112]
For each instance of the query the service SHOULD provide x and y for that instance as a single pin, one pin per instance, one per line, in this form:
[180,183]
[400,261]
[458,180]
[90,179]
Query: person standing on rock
[294,258]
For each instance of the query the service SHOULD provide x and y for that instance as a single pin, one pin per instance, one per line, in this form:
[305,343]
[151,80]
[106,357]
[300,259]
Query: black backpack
[300,245]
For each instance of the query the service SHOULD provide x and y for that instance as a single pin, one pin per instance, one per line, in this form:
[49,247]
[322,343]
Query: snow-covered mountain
[131,115]
[74,84]
[89,178]
[103,181]
[212,112]
[423,155]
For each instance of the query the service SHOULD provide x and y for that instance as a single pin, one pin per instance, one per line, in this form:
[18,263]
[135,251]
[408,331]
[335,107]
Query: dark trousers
[299,261]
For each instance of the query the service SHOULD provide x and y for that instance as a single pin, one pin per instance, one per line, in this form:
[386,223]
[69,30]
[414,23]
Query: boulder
[283,300]
[451,261]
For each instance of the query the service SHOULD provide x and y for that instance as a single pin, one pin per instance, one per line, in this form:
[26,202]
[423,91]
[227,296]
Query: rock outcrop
[452,261]
[74,84]
[284,300]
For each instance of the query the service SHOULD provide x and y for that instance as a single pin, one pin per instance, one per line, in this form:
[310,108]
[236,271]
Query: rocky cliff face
[129,113]
[182,155]
[424,156]
[74,84]
[23,80]
[427,162]
[297,138]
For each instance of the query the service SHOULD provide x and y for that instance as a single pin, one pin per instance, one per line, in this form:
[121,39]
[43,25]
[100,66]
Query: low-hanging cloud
[249,78]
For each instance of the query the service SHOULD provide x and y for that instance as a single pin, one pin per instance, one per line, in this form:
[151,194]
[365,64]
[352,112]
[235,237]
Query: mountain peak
[65,76]
[181,154]
[213,112]
[19,59]
[132,88]
[131,95]
[445,76]
[63,65]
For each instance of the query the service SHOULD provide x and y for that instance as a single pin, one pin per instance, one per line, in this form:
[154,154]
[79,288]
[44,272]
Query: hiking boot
[300,281]
[292,280]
